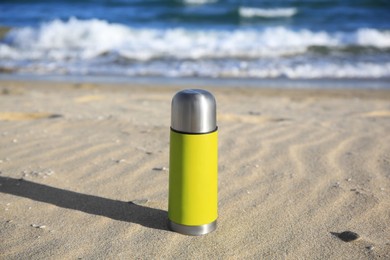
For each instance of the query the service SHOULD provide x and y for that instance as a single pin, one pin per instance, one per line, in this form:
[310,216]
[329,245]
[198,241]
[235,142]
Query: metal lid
[194,111]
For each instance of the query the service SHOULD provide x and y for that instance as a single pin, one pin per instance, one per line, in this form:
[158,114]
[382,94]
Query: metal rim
[192,230]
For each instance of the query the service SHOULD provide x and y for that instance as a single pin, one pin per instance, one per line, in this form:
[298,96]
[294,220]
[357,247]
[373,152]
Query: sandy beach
[84,173]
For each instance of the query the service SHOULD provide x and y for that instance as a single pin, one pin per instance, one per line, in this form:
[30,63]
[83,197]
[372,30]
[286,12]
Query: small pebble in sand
[382,189]
[48,172]
[349,179]
[355,190]
[15,140]
[55,116]
[38,226]
[44,173]
[254,113]
[139,202]
[160,169]
[348,236]
[120,161]
[370,248]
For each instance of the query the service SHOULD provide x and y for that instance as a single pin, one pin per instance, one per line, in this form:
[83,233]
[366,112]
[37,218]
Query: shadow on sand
[114,209]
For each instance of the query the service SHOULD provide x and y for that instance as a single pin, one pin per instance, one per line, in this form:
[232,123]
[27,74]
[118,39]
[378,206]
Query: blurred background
[225,39]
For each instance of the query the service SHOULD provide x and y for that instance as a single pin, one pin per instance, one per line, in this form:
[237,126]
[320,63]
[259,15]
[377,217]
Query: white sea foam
[63,40]
[274,69]
[227,69]
[87,46]
[330,70]
[267,13]
[371,37]
[199,2]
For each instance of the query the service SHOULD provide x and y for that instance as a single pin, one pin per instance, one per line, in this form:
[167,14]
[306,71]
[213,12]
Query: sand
[84,173]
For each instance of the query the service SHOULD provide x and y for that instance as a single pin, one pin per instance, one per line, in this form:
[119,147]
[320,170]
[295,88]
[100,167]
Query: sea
[198,39]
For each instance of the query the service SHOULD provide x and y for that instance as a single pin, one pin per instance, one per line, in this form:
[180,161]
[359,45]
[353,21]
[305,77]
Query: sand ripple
[294,169]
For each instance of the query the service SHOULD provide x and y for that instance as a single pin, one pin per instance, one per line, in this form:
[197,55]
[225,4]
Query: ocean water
[271,39]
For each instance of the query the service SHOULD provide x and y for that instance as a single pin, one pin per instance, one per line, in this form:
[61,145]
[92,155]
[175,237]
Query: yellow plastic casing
[193,178]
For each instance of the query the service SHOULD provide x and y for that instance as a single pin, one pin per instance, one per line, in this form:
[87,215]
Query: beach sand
[84,173]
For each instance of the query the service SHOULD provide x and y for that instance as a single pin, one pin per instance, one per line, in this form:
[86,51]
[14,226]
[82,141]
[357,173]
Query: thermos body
[193,179]
[193,164]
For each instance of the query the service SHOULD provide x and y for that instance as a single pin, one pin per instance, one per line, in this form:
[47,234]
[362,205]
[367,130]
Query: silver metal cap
[194,111]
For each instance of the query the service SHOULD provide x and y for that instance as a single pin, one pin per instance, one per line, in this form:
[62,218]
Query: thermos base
[192,230]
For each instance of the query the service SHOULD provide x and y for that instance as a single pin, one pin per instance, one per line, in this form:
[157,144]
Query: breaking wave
[250,12]
[93,43]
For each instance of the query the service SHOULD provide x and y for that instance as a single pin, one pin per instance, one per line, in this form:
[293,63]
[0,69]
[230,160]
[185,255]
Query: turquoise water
[198,38]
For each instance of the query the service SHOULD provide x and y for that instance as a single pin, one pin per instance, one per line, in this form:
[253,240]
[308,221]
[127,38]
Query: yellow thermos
[193,163]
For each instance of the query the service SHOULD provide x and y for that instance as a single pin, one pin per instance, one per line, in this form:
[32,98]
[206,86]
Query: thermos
[193,163]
